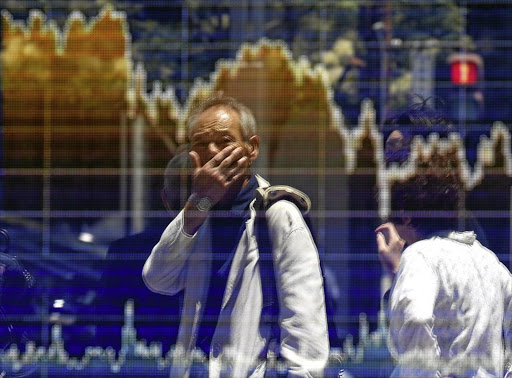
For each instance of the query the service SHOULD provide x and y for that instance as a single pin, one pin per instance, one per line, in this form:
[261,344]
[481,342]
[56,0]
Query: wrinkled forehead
[216,119]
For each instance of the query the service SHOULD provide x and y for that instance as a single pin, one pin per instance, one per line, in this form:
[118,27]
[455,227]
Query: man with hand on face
[450,307]
[210,250]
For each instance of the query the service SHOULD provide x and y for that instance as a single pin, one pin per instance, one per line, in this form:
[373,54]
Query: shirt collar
[466,237]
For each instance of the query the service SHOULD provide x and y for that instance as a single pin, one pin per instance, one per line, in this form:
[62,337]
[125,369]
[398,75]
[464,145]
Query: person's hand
[390,246]
[220,173]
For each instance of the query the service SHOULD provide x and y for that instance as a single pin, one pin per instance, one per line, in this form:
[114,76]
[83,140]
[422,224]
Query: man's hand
[390,246]
[220,173]
[213,180]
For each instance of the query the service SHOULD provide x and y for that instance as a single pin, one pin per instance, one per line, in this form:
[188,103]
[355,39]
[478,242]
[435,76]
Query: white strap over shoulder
[265,197]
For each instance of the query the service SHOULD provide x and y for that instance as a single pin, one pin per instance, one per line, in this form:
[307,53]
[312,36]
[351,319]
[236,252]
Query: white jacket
[450,306]
[179,262]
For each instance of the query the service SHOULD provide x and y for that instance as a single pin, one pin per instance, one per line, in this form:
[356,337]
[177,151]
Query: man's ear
[254,147]
[406,221]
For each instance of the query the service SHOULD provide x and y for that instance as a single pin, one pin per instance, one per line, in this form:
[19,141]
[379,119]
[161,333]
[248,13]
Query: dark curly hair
[431,197]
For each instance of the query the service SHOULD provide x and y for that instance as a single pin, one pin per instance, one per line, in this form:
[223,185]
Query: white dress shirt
[450,306]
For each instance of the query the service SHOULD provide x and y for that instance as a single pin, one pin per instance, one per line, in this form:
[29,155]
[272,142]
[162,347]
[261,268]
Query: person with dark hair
[126,257]
[177,181]
[421,120]
[450,305]
[418,119]
[211,251]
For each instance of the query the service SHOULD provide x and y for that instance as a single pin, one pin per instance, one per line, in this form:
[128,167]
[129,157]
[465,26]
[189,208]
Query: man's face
[216,128]
[397,148]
